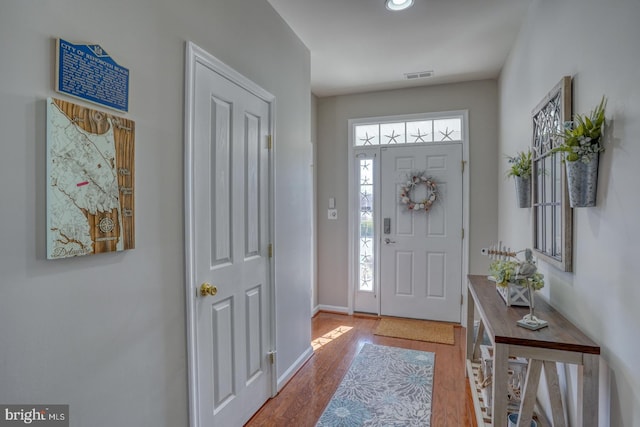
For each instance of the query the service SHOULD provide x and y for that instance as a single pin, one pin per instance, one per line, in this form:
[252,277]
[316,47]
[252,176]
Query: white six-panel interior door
[228,232]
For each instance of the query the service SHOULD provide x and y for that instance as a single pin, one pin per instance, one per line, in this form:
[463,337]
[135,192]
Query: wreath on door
[414,181]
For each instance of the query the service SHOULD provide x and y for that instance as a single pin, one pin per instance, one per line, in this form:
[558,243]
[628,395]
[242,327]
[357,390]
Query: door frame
[353,208]
[194,55]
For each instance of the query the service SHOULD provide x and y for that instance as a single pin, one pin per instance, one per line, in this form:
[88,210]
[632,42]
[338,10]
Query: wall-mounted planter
[523,191]
[582,180]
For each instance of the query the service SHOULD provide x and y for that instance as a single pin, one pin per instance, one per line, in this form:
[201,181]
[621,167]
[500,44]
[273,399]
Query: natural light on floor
[330,336]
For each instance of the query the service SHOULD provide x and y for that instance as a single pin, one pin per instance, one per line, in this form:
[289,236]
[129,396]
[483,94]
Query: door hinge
[272,357]
[461,299]
[463,233]
[463,163]
[269,142]
[270,250]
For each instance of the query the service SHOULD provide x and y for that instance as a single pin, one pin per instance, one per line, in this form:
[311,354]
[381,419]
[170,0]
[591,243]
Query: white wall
[597,43]
[106,333]
[479,98]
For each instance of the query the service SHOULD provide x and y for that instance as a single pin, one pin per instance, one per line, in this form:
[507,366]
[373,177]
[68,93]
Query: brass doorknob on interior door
[208,289]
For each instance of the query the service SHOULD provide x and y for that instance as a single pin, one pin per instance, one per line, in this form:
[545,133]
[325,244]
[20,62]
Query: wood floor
[337,339]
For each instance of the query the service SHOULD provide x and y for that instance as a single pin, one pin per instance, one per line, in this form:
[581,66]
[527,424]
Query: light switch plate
[332,213]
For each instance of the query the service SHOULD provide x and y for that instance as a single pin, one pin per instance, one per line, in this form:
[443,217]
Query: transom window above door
[445,129]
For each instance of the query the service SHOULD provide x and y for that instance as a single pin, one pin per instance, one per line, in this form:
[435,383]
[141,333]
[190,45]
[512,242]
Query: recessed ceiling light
[398,4]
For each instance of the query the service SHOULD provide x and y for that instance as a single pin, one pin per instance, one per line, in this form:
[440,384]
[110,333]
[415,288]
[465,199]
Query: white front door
[228,247]
[421,252]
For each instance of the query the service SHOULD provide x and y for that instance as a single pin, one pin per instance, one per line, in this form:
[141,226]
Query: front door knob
[208,289]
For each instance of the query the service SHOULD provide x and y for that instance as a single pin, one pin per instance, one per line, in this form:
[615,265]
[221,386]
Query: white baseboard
[332,308]
[291,371]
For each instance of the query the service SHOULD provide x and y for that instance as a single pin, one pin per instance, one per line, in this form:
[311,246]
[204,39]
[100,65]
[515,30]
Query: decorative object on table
[528,272]
[511,293]
[552,240]
[581,145]
[414,182]
[520,171]
[507,269]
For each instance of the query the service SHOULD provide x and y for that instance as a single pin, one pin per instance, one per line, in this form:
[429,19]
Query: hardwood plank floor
[338,338]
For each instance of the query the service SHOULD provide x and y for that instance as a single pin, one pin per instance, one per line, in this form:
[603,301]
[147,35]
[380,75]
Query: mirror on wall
[552,215]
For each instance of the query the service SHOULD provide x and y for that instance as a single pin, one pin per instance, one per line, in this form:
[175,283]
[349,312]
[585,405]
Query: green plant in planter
[520,171]
[520,165]
[582,137]
[505,271]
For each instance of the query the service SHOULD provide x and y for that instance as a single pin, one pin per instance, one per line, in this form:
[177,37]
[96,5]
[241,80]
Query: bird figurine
[527,268]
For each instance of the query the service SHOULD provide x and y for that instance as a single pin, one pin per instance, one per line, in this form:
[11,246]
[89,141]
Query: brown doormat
[419,330]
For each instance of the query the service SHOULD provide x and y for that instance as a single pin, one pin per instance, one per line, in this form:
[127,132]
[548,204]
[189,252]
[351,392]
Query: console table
[561,341]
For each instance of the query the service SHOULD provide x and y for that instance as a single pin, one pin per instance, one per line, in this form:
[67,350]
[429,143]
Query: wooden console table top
[500,322]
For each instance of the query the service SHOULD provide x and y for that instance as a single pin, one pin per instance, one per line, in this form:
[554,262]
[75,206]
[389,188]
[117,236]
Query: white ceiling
[360,46]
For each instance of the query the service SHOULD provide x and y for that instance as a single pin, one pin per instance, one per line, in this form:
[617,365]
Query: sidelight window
[366,237]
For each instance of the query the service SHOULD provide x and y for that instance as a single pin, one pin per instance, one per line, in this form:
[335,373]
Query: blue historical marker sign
[86,71]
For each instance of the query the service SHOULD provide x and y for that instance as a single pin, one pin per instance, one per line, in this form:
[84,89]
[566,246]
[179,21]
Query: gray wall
[480,98]
[597,43]
[106,333]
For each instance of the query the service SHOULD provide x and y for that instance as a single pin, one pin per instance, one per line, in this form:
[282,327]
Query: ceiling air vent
[418,75]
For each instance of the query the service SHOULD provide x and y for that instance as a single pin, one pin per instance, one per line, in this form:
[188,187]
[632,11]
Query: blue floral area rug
[384,386]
